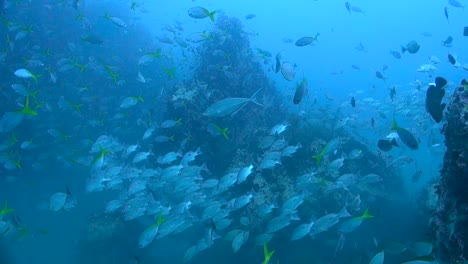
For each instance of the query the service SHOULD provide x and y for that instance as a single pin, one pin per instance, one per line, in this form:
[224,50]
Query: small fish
[250,16]
[412,47]
[244,173]
[278,62]
[434,96]
[348,7]
[150,233]
[353,102]
[434,60]
[199,12]
[456,3]
[451,59]
[131,101]
[168,158]
[360,47]
[395,54]
[392,93]
[465,31]
[301,231]
[278,129]
[355,154]
[372,121]
[141,156]
[301,89]
[190,156]
[162,138]
[357,9]
[92,39]
[446,14]
[117,21]
[57,201]
[447,42]
[23,73]
[171,123]
[141,78]
[429,69]
[386,144]
[288,72]
[380,75]
[408,139]
[304,41]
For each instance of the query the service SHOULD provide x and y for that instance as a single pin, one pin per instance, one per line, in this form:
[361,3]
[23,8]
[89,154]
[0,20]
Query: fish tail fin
[179,121]
[267,254]
[35,77]
[403,49]
[257,103]
[5,210]
[255,94]
[205,168]
[252,98]
[318,158]
[26,110]
[394,125]
[365,215]
[224,133]
[160,219]
[211,15]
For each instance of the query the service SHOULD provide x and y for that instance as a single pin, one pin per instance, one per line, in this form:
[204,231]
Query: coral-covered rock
[450,219]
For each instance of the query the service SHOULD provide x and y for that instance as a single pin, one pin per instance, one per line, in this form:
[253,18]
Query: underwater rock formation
[450,219]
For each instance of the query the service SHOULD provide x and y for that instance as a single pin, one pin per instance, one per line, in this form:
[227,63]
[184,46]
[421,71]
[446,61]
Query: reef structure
[449,223]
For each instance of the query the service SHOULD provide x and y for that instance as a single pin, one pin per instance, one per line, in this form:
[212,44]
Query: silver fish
[288,72]
[229,106]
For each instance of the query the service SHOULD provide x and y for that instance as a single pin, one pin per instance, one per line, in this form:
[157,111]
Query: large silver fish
[229,106]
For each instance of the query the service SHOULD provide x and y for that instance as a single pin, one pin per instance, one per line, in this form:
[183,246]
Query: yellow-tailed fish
[148,235]
[24,73]
[98,162]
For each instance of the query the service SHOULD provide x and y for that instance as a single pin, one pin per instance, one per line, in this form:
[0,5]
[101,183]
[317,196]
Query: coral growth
[450,218]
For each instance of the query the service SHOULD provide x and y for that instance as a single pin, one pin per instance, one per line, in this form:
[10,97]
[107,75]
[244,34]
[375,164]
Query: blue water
[82,83]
